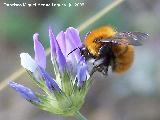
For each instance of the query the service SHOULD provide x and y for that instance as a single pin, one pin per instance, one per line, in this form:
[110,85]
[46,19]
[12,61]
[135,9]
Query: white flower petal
[27,62]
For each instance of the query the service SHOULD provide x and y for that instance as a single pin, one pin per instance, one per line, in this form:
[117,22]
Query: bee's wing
[133,38]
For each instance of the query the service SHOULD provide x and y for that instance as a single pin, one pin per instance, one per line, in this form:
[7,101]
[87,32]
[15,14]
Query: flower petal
[74,36]
[82,73]
[53,43]
[40,56]
[61,60]
[56,52]
[62,42]
[73,41]
[27,62]
[25,92]
[50,82]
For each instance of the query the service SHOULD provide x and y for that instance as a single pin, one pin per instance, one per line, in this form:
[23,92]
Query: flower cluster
[65,92]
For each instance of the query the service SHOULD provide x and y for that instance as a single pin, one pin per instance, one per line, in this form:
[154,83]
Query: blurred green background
[134,95]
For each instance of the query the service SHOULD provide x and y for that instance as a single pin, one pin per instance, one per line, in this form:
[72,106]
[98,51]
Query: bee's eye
[83,51]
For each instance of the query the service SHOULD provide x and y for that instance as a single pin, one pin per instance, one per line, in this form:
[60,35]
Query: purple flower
[73,41]
[67,41]
[63,44]
[50,82]
[56,52]
[82,73]
[64,94]
[40,57]
[25,92]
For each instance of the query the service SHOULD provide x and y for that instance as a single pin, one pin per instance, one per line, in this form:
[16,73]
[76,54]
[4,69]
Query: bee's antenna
[73,50]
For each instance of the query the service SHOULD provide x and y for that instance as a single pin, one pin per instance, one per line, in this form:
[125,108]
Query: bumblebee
[106,47]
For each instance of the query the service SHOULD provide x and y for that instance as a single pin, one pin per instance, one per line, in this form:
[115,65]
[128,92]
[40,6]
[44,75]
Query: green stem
[79,116]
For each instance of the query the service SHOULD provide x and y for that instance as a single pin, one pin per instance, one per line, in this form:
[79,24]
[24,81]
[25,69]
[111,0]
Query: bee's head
[83,51]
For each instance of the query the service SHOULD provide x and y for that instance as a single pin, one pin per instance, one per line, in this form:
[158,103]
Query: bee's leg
[93,70]
[98,61]
[102,62]
[105,71]
[100,66]
[96,65]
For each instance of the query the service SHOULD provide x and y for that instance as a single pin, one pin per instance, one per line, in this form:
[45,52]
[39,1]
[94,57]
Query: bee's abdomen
[124,56]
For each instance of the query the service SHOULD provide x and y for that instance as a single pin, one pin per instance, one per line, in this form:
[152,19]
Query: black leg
[100,68]
[102,62]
